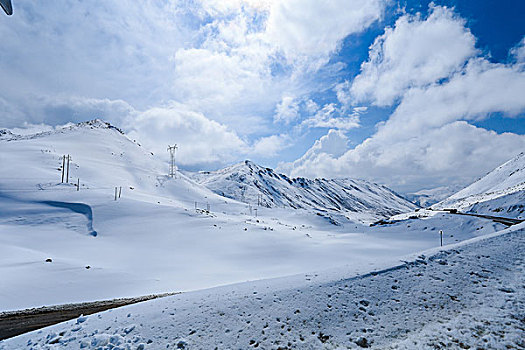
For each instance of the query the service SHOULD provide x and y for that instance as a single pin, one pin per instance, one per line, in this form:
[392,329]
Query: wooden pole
[119,191]
[115,193]
[441,237]
[78,184]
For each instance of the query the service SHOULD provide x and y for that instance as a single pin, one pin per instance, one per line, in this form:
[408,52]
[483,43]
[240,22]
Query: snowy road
[501,220]
[18,322]
[468,296]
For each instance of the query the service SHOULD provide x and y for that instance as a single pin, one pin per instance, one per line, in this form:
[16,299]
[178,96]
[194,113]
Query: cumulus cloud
[330,116]
[287,110]
[313,28]
[62,109]
[427,140]
[201,141]
[270,146]
[455,153]
[416,52]
[257,58]
[316,161]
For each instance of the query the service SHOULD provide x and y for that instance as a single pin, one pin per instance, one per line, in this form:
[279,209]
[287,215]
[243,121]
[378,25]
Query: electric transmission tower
[172,150]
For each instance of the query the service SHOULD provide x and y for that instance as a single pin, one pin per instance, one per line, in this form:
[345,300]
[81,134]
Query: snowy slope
[427,197]
[501,190]
[102,157]
[153,239]
[356,199]
[466,296]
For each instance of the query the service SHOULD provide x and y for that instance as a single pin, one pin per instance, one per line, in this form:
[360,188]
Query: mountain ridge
[502,190]
[357,199]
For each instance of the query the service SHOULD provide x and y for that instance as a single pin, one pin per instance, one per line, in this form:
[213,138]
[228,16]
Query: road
[13,323]
[499,219]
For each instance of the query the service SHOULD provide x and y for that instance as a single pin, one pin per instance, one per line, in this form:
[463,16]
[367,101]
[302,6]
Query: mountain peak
[97,123]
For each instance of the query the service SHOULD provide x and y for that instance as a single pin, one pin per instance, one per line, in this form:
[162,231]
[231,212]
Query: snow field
[466,296]
[152,240]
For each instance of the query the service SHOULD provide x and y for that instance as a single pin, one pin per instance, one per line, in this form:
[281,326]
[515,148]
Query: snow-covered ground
[464,296]
[153,239]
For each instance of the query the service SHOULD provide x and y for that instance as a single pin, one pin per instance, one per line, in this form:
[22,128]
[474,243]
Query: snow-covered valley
[465,296]
[131,230]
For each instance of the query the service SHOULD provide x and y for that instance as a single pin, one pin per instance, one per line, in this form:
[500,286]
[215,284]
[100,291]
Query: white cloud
[221,7]
[518,51]
[223,61]
[455,153]
[226,75]
[480,89]
[270,146]
[287,110]
[201,141]
[415,53]
[330,116]
[101,49]
[427,140]
[29,129]
[314,28]
[60,109]
[258,57]
[316,161]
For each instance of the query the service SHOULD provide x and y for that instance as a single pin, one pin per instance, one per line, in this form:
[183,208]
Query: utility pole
[63,167]
[441,236]
[78,184]
[67,176]
[172,150]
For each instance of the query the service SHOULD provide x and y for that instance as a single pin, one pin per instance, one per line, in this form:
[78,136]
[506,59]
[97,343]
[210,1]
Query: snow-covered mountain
[500,191]
[173,234]
[356,199]
[427,197]
[101,157]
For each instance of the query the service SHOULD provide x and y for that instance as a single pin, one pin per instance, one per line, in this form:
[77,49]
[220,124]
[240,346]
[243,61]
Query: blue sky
[412,94]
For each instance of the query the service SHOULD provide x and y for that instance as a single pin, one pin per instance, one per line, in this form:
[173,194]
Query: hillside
[355,199]
[101,157]
[62,244]
[500,191]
